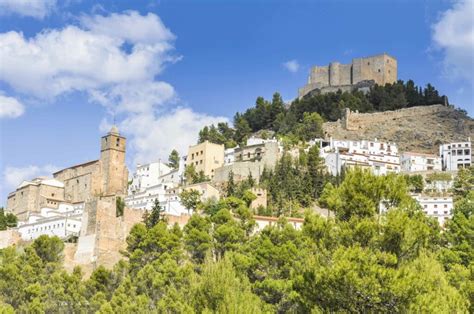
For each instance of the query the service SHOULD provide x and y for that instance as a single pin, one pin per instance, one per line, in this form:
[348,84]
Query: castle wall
[354,121]
[319,76]
[381,69]
[103,235]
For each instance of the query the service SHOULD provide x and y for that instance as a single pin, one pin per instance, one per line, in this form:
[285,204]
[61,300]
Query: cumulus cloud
[153,136]
[10,107]
[140,97]
[454,34]
[116,60]
[13,176]
[91,56]
[292,66]
[34,8]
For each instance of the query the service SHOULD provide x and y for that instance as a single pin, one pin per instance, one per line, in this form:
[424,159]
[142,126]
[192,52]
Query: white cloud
[454,34]
[93,56]
[116,61]
[34,8]
[139,97]
[10,107]
[13,176]
[292,66]
[154,136]
[131,26]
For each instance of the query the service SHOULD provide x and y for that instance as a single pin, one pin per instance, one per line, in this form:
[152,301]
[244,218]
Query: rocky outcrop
[413,129]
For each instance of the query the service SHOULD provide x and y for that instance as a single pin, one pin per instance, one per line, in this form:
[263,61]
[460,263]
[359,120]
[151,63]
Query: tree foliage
[360,261]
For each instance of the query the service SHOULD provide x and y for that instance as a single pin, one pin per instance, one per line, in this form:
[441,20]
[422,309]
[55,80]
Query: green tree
[190,199]
[119,206]
[173,159]
[197,237]
[155,216]
[231,187]
[49,249]
[8,220]
[464,182]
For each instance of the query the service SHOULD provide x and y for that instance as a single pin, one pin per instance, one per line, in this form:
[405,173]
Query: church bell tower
[112,160]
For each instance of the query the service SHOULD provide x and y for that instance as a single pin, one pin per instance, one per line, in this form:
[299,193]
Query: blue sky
[164,69]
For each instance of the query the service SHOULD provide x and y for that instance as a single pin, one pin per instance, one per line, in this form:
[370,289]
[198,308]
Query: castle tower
[112,160]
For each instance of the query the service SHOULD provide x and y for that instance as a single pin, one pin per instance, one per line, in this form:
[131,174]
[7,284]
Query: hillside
[413,129]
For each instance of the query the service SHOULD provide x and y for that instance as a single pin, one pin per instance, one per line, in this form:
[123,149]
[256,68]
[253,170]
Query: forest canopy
[359,261]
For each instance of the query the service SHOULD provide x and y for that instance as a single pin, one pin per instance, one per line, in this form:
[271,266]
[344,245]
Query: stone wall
[31,198]
[103,235]
[381,69]
[356,120]
[9,237]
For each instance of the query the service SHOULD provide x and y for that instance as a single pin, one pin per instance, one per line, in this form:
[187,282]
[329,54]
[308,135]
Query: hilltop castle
[361,73]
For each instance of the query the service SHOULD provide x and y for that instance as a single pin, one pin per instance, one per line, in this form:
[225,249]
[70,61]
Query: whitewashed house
[440,208]
[414,162]
[64,221]
[380,157]
[456,155]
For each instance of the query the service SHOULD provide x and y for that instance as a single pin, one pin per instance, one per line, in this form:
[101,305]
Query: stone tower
[112,160]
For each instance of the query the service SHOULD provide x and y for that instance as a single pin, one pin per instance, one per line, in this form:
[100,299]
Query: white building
[64,221]
[147,175]
[380,157]
[229,156]
[151,182]
[412,162]
[145,199]
[439,207]
[455,155]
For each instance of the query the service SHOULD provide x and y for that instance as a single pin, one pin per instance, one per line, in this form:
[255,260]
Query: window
[202,152]
[445,205]
[435,206]
[368,63]
[379,70]
[200,162]
[192,156]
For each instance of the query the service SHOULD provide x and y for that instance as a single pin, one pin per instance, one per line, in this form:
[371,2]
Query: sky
[161,70]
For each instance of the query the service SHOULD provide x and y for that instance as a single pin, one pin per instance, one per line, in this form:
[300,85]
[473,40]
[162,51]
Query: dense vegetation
[359,261]
[7,220]
[303,119]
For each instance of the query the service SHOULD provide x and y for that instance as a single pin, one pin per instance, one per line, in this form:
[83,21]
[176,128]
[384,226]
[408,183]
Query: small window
[379,70]
[368,63]
[52,194]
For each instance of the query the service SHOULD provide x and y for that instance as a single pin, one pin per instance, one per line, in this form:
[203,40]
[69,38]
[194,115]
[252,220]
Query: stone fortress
[362,73]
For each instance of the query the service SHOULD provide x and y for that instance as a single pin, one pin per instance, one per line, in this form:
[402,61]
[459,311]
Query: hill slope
[413,129]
